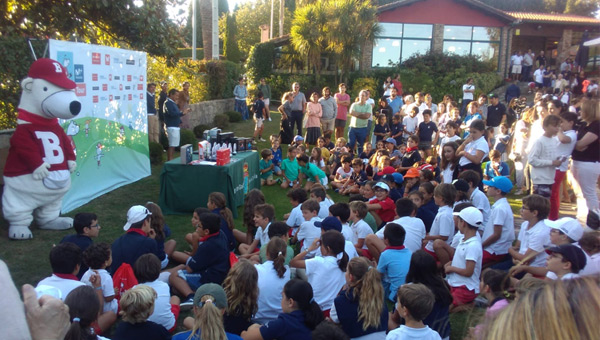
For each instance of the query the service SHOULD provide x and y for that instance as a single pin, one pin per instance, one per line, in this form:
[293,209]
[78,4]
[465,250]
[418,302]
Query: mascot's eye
[45,88]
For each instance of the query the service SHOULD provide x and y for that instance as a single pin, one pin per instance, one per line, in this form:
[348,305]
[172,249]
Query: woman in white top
[272,276]
[325,274]
[473,149]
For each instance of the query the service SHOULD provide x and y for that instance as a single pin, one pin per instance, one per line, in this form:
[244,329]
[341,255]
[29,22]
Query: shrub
[188,137]
[156,153]
[365,83]
[221,121]
[234,116]
[199,130]
[260,61]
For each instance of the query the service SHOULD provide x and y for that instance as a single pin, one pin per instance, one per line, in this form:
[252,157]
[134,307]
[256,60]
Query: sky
[174,12]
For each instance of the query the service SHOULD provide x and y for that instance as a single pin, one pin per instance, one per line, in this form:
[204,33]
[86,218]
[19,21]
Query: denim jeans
[357,135]
[241,107]
[296,118]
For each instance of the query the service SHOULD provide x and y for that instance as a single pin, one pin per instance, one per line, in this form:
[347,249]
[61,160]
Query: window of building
[473,40]
[398,42]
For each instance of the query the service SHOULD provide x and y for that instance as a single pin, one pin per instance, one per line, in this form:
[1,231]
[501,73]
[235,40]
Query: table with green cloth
[185,187]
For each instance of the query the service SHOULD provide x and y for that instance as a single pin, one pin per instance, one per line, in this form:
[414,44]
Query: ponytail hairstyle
[276,252]
[367,288]
[83,310]
[334,240]
[209,319]
[157,220]
[219,201]
[497,280]
[241,287]
[302,293]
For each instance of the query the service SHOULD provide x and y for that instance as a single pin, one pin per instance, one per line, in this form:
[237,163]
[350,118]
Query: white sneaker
[254,142]
[269,119]
[262,140]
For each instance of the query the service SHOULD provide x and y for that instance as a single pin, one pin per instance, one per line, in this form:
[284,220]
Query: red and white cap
[51,71]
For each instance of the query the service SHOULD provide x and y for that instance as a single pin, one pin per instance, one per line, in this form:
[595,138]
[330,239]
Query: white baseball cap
[382,186]
[136,214]
[471,215]
[568,226]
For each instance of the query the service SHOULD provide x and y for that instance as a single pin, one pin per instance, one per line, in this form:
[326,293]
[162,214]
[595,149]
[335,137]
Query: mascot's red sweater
[43,140]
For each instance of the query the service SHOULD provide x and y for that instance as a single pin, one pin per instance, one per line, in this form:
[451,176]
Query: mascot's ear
[27,84]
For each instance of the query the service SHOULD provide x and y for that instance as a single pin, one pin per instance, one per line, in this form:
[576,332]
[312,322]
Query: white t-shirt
[592,266]
[536,239]
[467,250]
[415,232]
[410,124]
[270,286]
[371,102]
[516,59]
[360,229]
[262,235]
[349,248]
[296,218]
[162,314]
[501,215]
[468,95]
[481,202]
[308,233]
[324,208]
[472,147]
[326,279]
[447,174]
[408,333]
[443,225]
[107,288]
[347,232]
[343,174]
[64,285]
[538,76]
[446,140]
[565,149]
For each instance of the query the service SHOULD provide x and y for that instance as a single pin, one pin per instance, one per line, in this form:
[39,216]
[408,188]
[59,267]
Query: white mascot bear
[41,158]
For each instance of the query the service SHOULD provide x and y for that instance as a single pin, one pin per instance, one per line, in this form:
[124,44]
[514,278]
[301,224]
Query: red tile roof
[553,18]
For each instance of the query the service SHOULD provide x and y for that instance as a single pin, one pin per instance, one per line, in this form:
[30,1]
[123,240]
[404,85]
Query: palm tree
[309,34]
[352,24]
[205,9]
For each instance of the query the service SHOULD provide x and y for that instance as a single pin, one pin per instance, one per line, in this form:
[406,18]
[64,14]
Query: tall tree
[582,7]
[231,49]
[309,34]
[223,8]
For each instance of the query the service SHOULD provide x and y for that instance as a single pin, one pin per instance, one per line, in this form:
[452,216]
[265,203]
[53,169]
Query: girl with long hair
[273,274]
[162,231]
[301,315]
[241,287]
[317,158]
[253,198]
[325,273]
[449,163]
[217,203]
[83,311]
[360,308]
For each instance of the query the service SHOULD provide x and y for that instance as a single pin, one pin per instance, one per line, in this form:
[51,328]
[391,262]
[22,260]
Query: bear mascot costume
[41,158]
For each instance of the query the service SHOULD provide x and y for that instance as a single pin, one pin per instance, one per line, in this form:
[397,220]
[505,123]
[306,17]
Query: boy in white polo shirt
[443,224]
[499,232]
[478,198]
[534,235]
[360,228]
[308,230]
[65,260]
[463,272]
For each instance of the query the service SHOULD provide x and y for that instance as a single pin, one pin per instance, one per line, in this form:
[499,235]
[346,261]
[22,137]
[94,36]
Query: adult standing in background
[266,91]
[468,92]
[516,62]
[360,112]
[512,91]
[528,59]
[330,109]
[241,93]
[397,84]
[343,102]
[162,98]
[152,117]
[298,108]
[395,103]
[541,59]
[183,102]
[496,113]
[387,87]
[586,160]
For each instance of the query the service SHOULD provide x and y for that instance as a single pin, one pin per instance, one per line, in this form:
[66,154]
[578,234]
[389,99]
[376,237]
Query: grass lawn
[28,260]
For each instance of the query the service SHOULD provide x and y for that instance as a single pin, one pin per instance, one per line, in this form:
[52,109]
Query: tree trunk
[205,8]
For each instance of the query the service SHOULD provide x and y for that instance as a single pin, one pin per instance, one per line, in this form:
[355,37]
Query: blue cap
[501,183]
[391,140]
[298,138]
[330,223]
[398,178]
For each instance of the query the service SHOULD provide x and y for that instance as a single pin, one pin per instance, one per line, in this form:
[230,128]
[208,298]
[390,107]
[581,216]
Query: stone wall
[205,112]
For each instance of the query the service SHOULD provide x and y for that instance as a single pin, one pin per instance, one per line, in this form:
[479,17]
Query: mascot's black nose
[75,107]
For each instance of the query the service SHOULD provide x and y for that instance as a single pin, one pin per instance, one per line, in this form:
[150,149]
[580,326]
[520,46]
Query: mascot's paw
[41,172]
[19,233]
[72,165]
[60,223]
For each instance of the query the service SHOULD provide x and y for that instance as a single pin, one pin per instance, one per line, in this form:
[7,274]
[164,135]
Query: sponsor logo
[95,88]
[80,90]
[117,97]
[109,77]
[140,87]
[141,96]
[104,87]
[96,58]
[103,98]
[78,73]
[107,59]
[130,62]
[120,87]
[117,77]
[129,77]
[141,78]
[95,77]
[110,97]
[129,97]
[94,99]
[127,87]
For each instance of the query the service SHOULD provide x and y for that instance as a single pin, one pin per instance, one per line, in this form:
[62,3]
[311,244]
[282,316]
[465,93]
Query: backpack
[123,280]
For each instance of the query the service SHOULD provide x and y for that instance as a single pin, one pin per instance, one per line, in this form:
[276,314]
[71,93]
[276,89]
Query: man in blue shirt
[394,102]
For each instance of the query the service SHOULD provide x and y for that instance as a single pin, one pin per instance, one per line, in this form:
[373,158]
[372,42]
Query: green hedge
[260,61]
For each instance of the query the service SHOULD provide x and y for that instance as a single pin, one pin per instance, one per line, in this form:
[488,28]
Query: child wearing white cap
[463,272]
[137,241]
[382,207]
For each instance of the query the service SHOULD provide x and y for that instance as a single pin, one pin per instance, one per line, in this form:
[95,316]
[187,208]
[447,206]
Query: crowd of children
[419,238]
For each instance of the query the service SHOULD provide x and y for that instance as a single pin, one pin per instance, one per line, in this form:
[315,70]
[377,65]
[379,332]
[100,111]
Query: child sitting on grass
[277,154]
[308,231]
[263,215]
[360,228]
[294,218]
[266,167]
[312,173]
[98,257]
[394,261]
[290,169]
[356,180]
[415,302]
[137,304]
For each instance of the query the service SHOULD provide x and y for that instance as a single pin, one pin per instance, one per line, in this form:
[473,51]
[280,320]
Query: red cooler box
[223,157]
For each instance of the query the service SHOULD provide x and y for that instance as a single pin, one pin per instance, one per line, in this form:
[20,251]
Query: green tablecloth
[184,188]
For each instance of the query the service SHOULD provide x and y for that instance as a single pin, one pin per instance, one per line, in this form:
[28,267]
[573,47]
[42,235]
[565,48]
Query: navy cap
[330,223]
